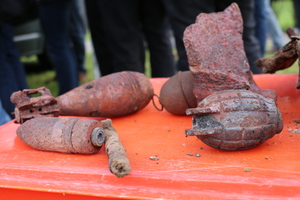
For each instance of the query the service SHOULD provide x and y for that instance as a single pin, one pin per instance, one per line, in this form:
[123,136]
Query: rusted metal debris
[119,164]
[283,58]
[235,119]
[176,95]
[232,112]
[75,135]
[216,54]
[113,95]
[66,135]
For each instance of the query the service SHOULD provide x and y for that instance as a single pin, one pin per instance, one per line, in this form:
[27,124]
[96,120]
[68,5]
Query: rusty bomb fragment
[179,87]
[66,135]
[235,119]
[233,112]
[113,95]
[283,58]
[216,54]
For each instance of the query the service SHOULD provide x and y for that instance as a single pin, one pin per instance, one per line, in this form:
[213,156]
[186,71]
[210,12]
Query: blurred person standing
[12,75]
[274,28]
[4,117]
[119,29]
[77,33]
[55,16]
[261,29]
[297,14]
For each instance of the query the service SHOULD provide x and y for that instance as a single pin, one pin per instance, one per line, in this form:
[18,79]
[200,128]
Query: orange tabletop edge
[269,171]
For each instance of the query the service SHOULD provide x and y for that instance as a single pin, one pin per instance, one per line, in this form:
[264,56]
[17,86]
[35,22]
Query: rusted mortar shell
[66,135]
[113,95]
[176,95]
[235,119]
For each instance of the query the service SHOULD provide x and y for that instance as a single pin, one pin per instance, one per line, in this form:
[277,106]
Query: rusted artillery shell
[176,95]
[66,135]
[114,95]
[235,119]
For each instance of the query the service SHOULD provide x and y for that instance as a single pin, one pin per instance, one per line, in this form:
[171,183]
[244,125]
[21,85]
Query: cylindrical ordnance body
[113,95]
[66,135]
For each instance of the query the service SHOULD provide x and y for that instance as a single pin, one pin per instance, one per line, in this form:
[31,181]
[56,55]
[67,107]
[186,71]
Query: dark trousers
[77,33]
[118,30]
[56,19]
[183,13]
[12,73]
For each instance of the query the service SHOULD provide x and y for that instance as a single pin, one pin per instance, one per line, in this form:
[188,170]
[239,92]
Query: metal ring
[159,109]
[98,137]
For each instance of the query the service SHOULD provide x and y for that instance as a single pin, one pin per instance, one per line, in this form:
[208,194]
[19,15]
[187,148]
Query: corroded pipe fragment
[216,54]
[66,135]
[113,95]
[283,58]
[235,119]
[119,163]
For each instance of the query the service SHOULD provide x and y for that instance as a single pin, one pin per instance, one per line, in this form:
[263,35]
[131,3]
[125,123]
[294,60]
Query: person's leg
[261,24]
[55,20]
[122,33]
[97,33]
[273,27]
[182,14]
[77,33]
[297,13]
[4,117]
[155,26]
[12,76]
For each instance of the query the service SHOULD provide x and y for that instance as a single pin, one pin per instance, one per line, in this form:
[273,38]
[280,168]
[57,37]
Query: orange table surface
[268,171]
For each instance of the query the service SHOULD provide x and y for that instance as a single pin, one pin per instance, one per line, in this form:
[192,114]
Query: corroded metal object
[235,119]
[113,95]
[66,135]
[283,58]
[232,112]
[176,95]
[216,54]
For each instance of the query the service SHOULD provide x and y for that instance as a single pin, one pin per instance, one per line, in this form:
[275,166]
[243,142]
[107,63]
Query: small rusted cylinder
[176,95]
[66,135]
[113,95]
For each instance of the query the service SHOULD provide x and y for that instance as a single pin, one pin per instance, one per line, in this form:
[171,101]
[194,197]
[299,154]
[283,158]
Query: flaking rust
[65,135]
[235,119]
[232,112]
[113,95]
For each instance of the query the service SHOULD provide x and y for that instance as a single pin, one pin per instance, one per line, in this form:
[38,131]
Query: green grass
[285,13]
[283,9]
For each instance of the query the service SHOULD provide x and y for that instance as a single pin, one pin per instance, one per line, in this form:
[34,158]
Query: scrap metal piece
[216,54]
[66,135]
[283,58]
[28,108]
[235,119]
[114,95]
